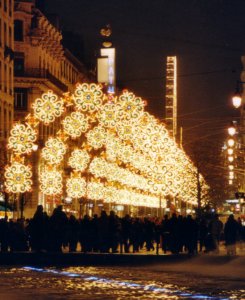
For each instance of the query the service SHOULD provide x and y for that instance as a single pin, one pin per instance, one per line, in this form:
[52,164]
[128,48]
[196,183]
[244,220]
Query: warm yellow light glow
[230,158]
[51,182]
[108,115]
[131,107]
[75,124]
[88,97]
[97,137]
[130,151]
[76,186]
[79,160]
[18,178]
[48,107]
[54,150]
[22,138]
[231,142]
[231,130]
[236,101]
[230,151]
[231,167]
[230,181]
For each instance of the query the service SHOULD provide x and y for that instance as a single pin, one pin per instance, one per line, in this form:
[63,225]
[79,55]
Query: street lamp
[231,130]
[237,100]
[231,142]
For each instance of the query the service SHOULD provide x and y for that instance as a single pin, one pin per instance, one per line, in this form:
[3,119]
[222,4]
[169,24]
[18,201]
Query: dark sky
[208,37]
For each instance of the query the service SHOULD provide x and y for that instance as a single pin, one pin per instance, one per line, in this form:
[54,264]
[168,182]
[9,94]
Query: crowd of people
[109,233]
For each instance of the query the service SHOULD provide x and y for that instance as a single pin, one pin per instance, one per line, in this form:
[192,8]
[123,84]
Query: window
[1,77]
[18,30]
[0,31]
[5,5]
[5,34]
[10,37]
[19,66]
[10,8]
[20,99]
[5,78]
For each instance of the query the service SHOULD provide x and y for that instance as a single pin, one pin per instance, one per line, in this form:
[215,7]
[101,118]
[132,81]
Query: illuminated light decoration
[230,151]
[130,107]
[142,159]
[95,190]
[230,158]
[230,181]
[79,160]
[108,115]
[51,182]
[22,138]
[75,124]
[76,186]
[109,53]
[125,130]
[54,150]
[126,154]
[18,178]
[171,95]
[88,97]
[231,142]
[231,167]
[97,137]
[48,107]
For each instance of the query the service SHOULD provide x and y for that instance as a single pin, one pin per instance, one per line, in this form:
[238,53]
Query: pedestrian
[231,232]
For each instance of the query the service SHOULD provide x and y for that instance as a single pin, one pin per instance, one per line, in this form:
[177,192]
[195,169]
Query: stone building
[41,63]
[6,78]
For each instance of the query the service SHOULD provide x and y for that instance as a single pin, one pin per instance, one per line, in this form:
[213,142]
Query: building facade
[40,64]
[6,78]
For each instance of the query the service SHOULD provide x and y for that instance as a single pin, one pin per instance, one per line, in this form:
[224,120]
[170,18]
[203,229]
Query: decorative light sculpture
[47,108]
[108,115]
[76,186]
[18,178]
[22,138]
[79,160]
[97,137]
[54,150]
[88,97]
[131,107]
[75,124]
[125,130]
[51,182]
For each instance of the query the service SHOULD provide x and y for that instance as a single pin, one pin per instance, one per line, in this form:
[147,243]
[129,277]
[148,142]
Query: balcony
[42,74]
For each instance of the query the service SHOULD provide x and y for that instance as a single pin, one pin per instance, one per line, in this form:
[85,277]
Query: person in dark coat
[72,233]
[231,234]
[37,230]
[165,234]
[126,229]
[57,226]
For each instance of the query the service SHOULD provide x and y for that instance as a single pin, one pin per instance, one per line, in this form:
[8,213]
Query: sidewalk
[123,259]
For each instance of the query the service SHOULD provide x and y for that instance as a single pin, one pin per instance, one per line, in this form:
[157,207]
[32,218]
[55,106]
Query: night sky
[208,37]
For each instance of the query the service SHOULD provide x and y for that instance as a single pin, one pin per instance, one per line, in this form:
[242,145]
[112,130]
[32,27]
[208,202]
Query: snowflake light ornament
[97,137]
[125,130]
[75,124]
[79,160]
[88,97]
[108,115]
[48,107]
[22,138]
[18,178]
[51,182]
[131,107]
[54,150]
[76,186]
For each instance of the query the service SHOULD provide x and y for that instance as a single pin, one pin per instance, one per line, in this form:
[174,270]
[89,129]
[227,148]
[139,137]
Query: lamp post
[239,103]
